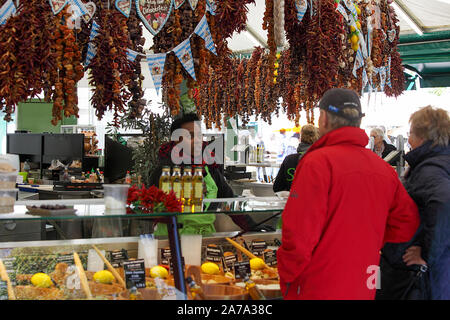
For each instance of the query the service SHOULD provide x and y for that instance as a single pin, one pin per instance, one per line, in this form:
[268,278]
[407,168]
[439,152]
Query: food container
[115,196]
[224,292]
[8,180]
[7,200]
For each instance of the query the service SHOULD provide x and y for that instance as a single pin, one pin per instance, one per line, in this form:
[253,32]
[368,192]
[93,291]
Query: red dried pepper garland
[111,71]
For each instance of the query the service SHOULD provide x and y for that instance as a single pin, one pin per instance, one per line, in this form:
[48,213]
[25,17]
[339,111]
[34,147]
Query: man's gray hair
[378,131]
[336,122]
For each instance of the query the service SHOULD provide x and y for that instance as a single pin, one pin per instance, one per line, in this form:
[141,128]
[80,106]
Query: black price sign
[270,257]
[66,258]
[242,270]
[3,290]
[258,247]
[214,253]
[164,256]
[134,273]
[228,262]
[117,257]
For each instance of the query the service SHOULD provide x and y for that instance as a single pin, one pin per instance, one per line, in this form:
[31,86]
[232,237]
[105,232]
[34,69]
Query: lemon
[358,10]
[256,263]
[355,47]
[354,39]
[158,272]
[358,25]
[41,280]
[210,268]
[352,29]
[278,55]
[103,276]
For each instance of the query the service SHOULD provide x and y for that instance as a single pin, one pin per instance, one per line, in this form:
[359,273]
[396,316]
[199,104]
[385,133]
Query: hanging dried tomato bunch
[24,54]
[111,71]
[137,104]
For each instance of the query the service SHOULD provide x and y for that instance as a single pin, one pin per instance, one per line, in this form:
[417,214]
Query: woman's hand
[413,256]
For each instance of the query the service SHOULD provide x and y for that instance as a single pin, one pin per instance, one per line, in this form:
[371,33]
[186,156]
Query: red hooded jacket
[345,203]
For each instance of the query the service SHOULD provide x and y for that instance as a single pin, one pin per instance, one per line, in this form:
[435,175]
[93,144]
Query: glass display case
[80,250]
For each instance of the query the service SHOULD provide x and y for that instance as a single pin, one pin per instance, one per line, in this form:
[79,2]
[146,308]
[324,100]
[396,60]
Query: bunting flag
[359,62]
[178,3]
[382,72]
[388,75]
[131,55]
[369,36]
[79,10]
[365,79]
[351,6]
[193,4]
[302,6]
[156,65]
[211,6]
[92,49]
[184,54]
[6,11]
[342,11]
[202,30]
[124,7]
[57,5]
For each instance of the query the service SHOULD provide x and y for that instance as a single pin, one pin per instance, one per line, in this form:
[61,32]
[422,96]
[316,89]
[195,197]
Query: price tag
[3,290]
[270,257]
[117,257]
[66,258]
[258,247]
[242,270]
[228,262]
[134,273]
[164,256]
[214,253]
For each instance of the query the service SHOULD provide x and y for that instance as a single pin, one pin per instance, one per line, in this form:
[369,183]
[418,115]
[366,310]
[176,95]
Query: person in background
[428,183]
[381,147]
[215,183]
[344,204]
[308,135]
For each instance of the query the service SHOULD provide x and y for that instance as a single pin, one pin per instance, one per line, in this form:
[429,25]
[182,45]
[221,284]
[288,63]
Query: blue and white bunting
[211,6]
[359,62]
[131,55]
[382,72]
[156,65]
[351,6]
[193,4]
[58,5]
[302,6]
[178,3]
[92,49]
[202,30]
[79,10]
[6,11]
[184,54]
[365,79]
[388,73]
[342,11]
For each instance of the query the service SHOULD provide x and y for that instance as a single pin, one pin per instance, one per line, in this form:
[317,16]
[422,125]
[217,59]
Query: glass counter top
[95,208]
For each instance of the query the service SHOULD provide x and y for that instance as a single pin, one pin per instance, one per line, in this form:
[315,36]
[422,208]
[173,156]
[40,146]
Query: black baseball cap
[337,99]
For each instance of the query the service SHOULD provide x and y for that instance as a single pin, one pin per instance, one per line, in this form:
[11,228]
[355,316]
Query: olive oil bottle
[186,197]
[164,180]
[197,182]
[176,182]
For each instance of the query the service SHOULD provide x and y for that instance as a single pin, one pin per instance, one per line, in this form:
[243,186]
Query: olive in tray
[50,207]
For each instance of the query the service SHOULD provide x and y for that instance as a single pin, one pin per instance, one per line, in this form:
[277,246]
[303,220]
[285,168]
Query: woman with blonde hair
[428,183]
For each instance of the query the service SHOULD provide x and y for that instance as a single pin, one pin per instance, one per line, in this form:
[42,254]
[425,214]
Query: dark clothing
[245,222]
[388,148]
[285,175]
[428,183]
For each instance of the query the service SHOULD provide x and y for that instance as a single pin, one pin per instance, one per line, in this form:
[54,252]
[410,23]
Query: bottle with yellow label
[176,182]
[197,197]
[164,180]
[186,197]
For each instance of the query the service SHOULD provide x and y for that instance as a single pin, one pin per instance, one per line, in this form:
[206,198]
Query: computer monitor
[118,158]
[62,146]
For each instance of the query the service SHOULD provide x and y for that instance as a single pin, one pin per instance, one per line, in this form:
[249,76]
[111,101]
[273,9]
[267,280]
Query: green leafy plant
[156,130]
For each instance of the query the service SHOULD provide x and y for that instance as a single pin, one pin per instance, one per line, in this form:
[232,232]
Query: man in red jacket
[345,203]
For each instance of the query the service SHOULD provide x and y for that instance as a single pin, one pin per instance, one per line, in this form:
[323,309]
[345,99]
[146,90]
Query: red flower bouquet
[152,200]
